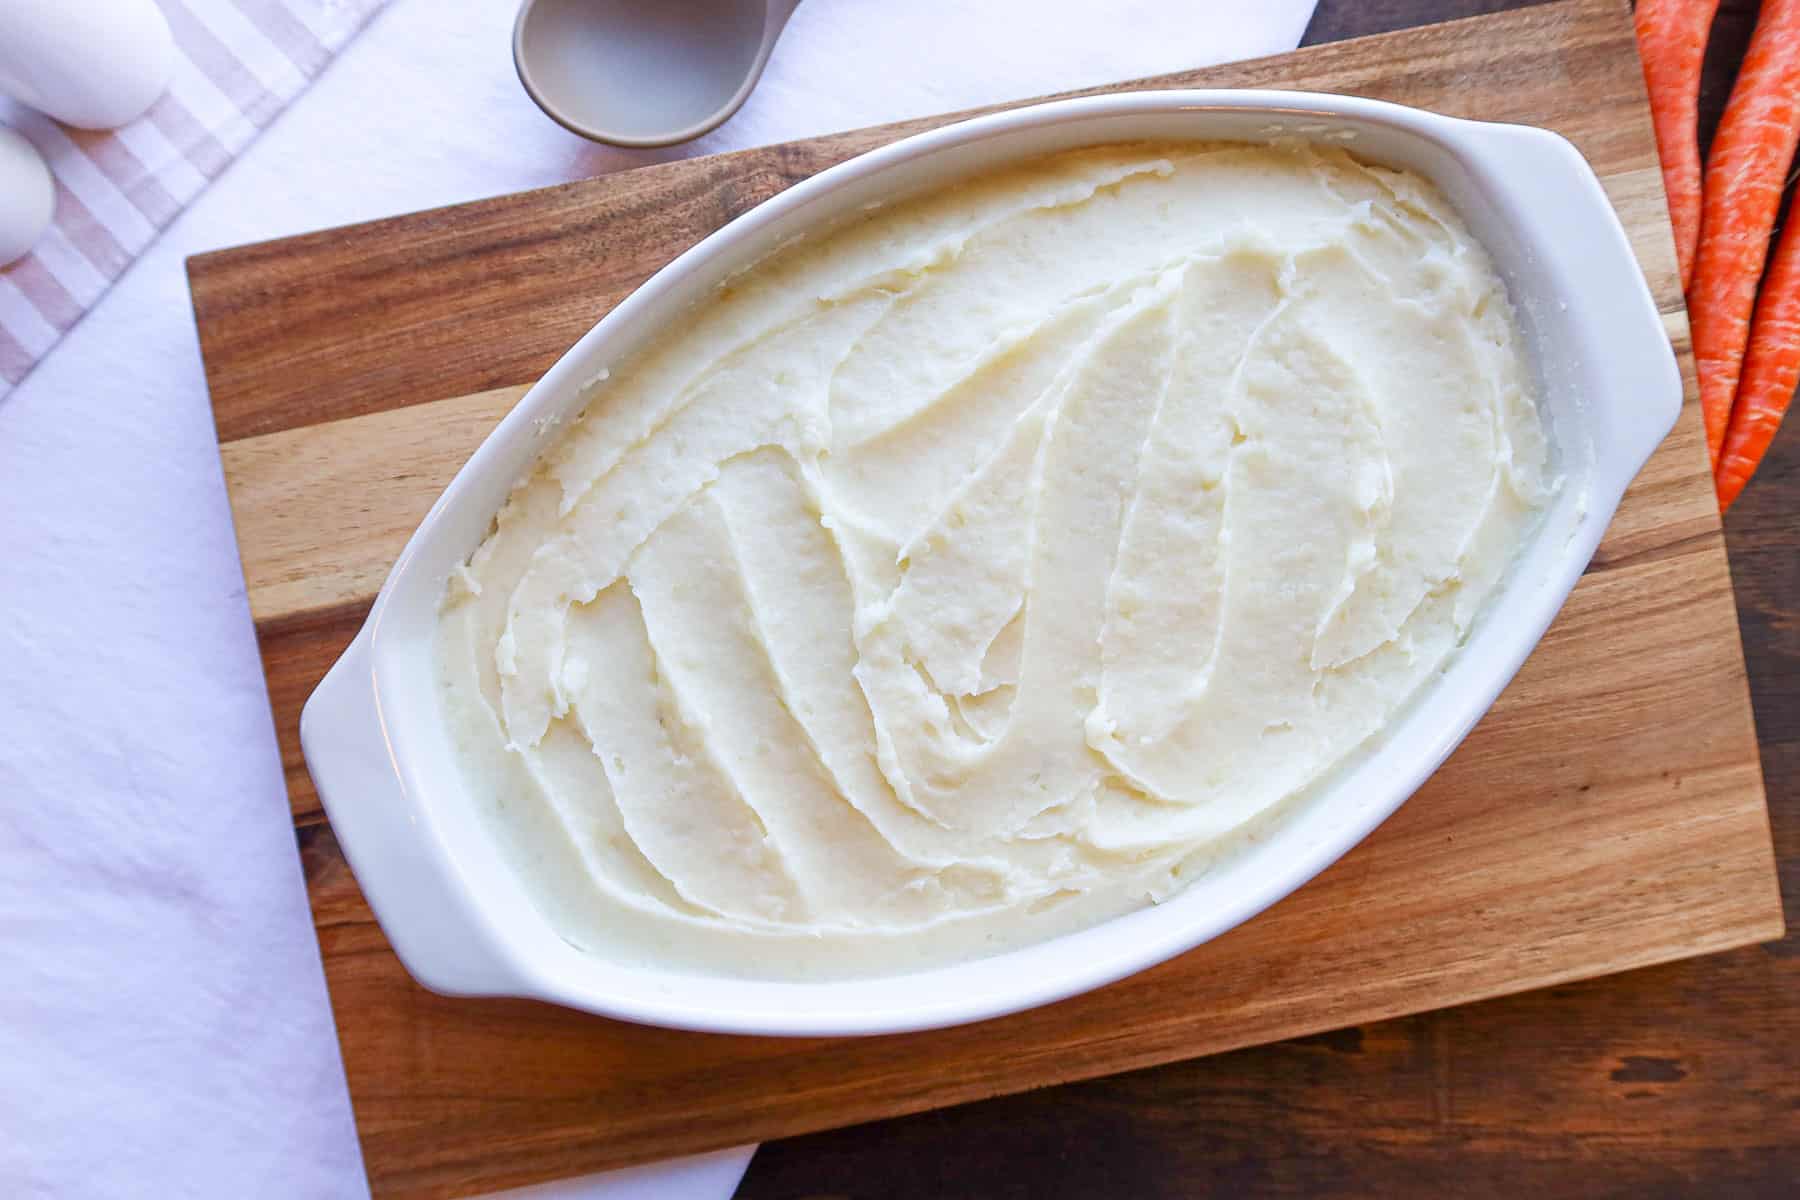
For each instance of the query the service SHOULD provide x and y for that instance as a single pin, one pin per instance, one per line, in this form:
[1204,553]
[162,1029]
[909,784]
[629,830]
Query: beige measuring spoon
[644,74]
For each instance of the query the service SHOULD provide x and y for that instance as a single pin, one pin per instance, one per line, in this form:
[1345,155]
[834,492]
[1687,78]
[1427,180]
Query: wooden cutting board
[1607,814]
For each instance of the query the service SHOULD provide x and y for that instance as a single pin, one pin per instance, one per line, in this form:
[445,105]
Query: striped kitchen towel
[238,63]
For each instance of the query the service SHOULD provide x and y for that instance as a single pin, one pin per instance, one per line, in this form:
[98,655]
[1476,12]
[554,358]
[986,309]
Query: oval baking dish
[459,918]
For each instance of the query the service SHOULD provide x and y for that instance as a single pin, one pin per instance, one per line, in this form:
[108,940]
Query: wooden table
[1677,1080]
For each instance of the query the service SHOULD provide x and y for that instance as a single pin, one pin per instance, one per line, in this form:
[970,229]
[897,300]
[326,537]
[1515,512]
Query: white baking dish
[462,923]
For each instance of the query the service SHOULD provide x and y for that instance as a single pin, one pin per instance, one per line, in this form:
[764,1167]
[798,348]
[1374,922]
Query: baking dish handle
[424,914]
[1620,356]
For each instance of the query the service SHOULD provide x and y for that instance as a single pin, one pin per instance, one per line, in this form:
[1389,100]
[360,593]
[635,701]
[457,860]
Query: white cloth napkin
[164,1028]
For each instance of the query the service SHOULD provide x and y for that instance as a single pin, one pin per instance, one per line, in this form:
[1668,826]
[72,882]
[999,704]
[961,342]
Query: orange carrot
[1671,37]
[1742,190]
[1771,368]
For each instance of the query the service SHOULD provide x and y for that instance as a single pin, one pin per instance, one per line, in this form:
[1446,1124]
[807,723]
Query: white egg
[27,196]
[95,64]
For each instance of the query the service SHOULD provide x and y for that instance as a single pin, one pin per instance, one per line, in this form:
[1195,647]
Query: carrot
[1671,37]
[1771,368]
[1742,190]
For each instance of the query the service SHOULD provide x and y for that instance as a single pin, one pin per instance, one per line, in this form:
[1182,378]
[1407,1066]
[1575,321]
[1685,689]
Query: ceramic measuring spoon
[636,74]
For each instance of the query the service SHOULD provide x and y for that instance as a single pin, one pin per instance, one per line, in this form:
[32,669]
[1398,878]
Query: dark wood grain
[1681,1080]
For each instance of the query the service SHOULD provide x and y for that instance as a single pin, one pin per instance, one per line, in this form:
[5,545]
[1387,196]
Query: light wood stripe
[375,475]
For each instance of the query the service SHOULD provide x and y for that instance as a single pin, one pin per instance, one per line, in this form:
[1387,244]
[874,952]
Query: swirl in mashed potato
[983,568]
